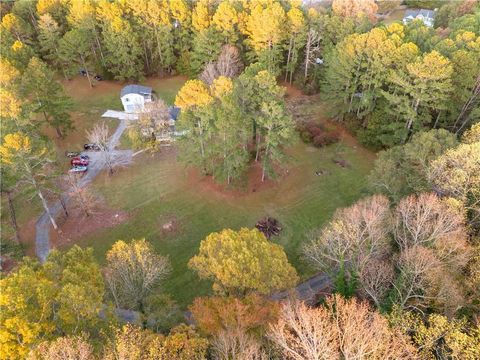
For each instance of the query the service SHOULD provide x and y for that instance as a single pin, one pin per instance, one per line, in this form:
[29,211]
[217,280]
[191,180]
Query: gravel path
[42,235]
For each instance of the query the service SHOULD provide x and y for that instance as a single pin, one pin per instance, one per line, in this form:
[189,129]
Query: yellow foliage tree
[180,11]
[25,312]
[27,162]
[265,26]
[193,93]
[472,135]
[37,302]
[221,86]
[201,15]
[355,8]
[242,261]
[225,18]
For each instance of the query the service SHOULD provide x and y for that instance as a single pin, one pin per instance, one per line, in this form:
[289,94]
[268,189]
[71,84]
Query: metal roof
[174,112]
[416,12]
[136,89]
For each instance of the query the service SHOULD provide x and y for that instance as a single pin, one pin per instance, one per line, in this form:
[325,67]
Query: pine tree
[74,50]
[48,38]
[421,90]
[47,96]
[265,27]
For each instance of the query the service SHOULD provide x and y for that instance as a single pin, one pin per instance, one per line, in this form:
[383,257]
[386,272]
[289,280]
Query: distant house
[134,97]
[427,16]
[164,133]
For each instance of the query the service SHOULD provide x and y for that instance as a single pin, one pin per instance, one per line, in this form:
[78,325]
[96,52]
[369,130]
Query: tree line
[387,82]
[403,263]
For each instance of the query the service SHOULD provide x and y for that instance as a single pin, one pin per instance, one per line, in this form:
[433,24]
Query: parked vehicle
[98,78]
[83,72]
[84,157]
[78,169]
[92,147]
[71,153]
[79,162]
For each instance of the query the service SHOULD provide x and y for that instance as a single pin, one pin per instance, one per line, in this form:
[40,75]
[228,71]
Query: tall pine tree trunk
[265,160]
[99,46]
[409,124]
[288,59]
[294,51]
[468,106]
[307,53]
[46,208]
[86,70]
[13,217]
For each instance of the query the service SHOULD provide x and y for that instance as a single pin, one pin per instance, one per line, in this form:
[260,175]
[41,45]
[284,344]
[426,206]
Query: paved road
[42,235]
[309,290]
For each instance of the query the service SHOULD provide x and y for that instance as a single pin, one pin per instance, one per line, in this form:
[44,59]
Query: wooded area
[403,262]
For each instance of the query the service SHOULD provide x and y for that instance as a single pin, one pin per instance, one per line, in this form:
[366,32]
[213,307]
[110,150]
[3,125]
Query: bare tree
[111,158]
[376,279]
[209,73]
[304,333]
[418,268]
[153,122]
[424,219]
[237,345]
[133,271]
[228,64]
[353,237]
[81,195]
[425,280]
[345,329]
[312,49]
[64,348]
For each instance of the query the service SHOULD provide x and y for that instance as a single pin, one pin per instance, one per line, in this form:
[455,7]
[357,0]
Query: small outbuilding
[134,97]
[427,16]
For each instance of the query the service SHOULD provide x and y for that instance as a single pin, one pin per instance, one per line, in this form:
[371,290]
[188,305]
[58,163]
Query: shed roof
[416,12]
[174,111]
[136,89]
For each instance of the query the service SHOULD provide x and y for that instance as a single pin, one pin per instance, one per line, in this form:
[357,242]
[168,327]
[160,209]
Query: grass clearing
[157,188]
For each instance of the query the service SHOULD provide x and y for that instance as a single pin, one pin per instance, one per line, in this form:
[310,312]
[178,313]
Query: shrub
[326,138]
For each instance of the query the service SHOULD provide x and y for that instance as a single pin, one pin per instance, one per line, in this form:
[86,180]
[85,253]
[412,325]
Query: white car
[78,169]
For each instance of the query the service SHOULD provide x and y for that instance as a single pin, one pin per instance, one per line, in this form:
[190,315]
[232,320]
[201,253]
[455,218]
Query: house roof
[174,112]
[136,89]
[413,13]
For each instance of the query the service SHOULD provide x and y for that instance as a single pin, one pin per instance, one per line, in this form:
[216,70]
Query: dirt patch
[7,264]
[251,184]
[79,88]
[292,91]
[77,225]
[169,224]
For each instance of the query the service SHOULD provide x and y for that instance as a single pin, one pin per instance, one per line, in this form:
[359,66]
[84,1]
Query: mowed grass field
[88,106]
[156,189]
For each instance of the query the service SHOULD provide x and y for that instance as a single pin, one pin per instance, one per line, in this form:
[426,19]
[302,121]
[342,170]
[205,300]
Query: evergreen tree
[207,45]
[265,28]
[420,91]
[47,96]
[122,44]
[48,38]
[75,51]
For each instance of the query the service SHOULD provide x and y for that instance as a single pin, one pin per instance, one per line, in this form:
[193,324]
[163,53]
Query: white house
[134,97]
[427,16]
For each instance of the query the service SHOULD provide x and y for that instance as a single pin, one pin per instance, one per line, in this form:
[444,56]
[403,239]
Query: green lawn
[155,189]
[88,106]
